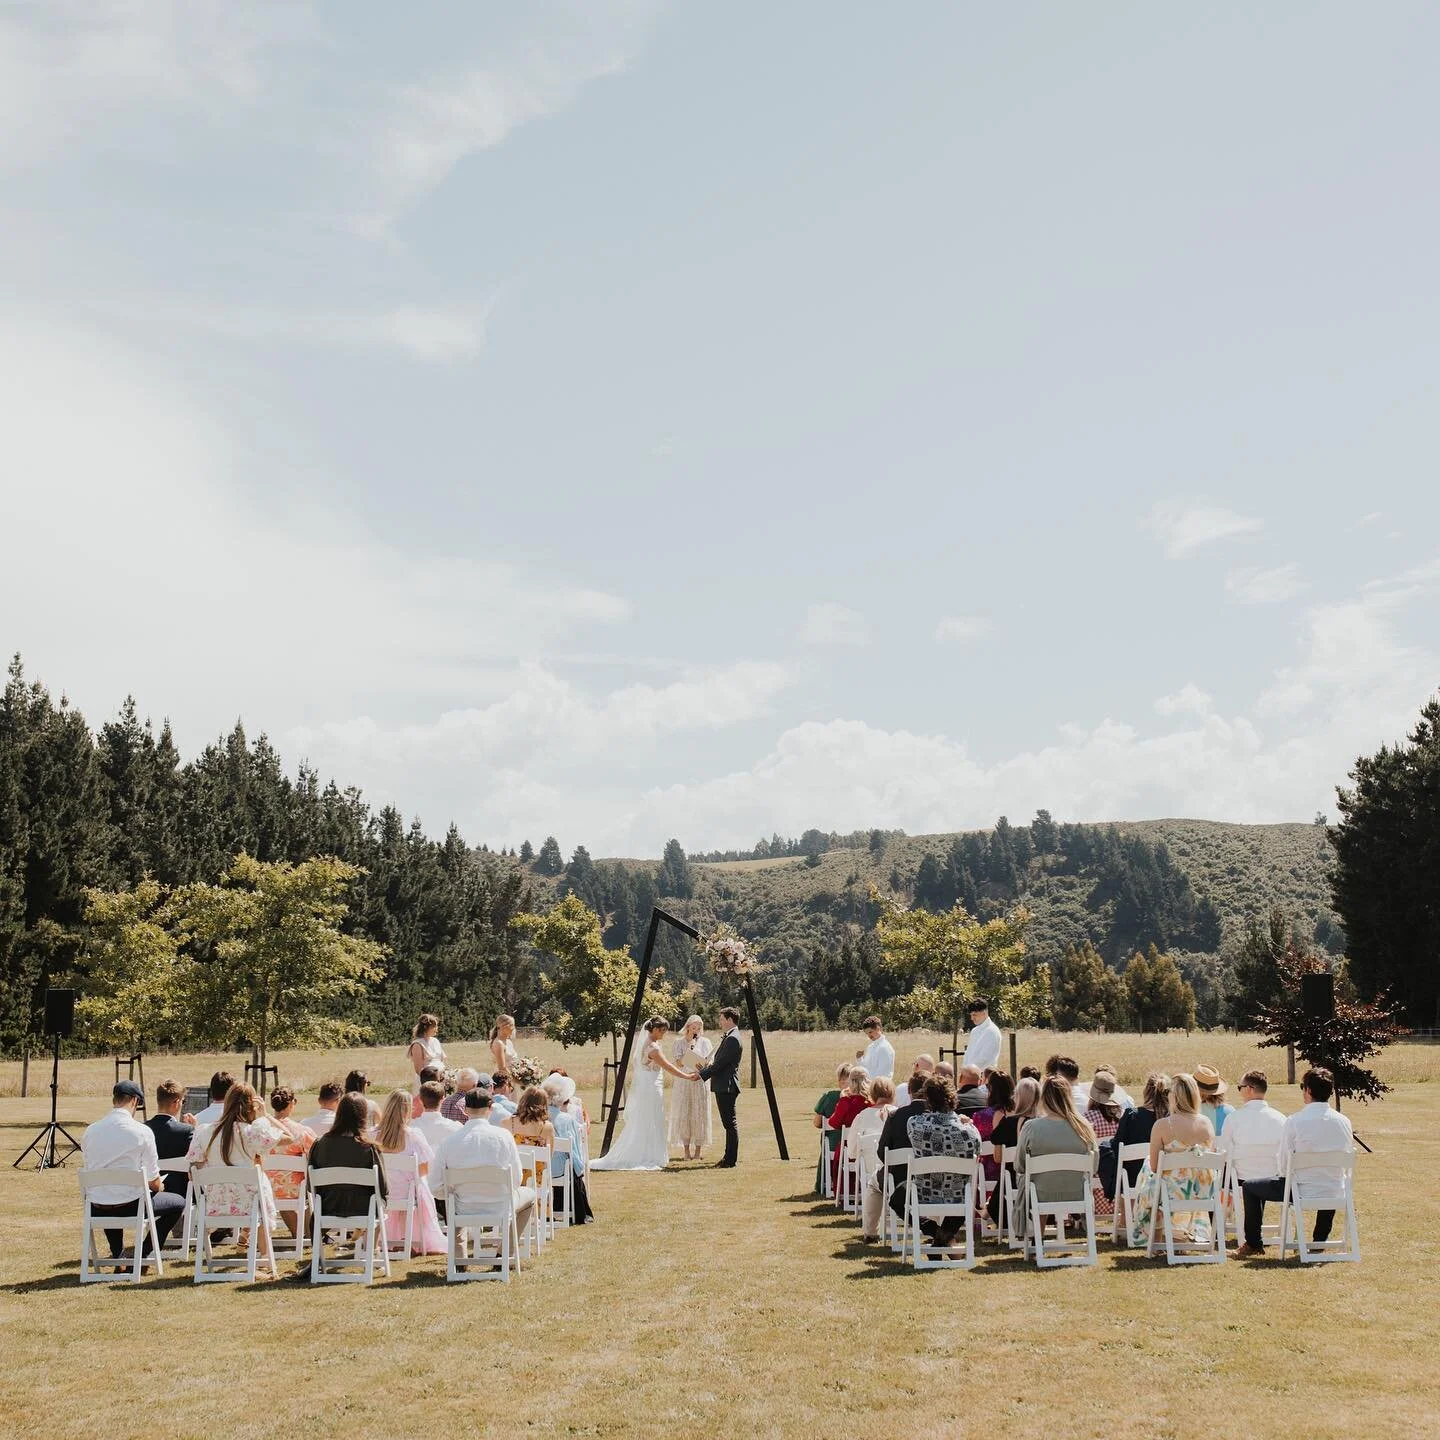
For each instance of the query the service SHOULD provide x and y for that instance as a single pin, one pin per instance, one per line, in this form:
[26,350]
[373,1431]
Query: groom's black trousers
[725,1103]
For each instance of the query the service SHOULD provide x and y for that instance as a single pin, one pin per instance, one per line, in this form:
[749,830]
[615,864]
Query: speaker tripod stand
[43,1146]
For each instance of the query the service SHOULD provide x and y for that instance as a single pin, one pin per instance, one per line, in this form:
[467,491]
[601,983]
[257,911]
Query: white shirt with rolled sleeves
[982,1050]
[118,1141]
[1252,1138]
[435,1127]
[879,1058]
[1316,1127]
[480,1143]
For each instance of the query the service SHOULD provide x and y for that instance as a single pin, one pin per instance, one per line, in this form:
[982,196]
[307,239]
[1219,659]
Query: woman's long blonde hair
[1184,1095]
[1057,1101]
[1027,1098]
[394,1118]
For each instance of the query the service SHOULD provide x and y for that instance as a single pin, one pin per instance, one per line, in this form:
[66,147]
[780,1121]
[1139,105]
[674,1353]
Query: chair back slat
[943,1165]
[1051,1164]
[1190,1160]
[129,1177]
[365,1176]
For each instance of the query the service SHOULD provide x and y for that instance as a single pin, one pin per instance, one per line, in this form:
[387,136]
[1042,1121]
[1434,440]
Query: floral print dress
[1186,1185]
[250,1142]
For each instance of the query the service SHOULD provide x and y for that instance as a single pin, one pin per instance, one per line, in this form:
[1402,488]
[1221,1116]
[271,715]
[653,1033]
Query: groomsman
[983,1048]
[878,1057]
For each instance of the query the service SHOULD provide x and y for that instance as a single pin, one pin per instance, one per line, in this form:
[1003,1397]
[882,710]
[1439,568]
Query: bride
[643,1143]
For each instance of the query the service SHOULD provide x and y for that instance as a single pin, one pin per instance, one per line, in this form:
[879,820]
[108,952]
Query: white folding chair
[294,1169]
[1178,1250]
[96,1264]
[846,1196]
[1122,1228]
[916,1210]
[481,1201]
[179,1237]
[246,1180]
[893,1230]
[1260,1162]
[1037,1212]
[827,1185]
[365,1233]
[565,1180]
[402,1181]
[538,1163]
[1307,1190]
[867,1166]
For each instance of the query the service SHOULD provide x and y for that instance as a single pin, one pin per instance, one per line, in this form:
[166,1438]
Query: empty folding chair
[1320,1180]
[287,1178]
[1122,1228]
[228,1197]
[96,1264]
[1064,1251]
[364,1233]
[402,1181]
[480,1201]
[916,1210]
[179,1237]
[1205,1200]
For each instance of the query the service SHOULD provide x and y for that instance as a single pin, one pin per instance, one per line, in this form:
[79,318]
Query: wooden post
[1014,1062]
[634,1021]
[754,1058]
[758,1040]
[25,1071]
[1289,1064]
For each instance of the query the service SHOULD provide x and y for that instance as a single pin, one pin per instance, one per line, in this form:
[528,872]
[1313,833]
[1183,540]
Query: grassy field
[713,1300]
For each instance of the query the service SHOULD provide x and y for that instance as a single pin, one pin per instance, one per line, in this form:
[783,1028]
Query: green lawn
[734,1302]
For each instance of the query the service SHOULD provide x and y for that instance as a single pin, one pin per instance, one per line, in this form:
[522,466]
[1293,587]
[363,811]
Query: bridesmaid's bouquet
[728,953]
[525,1072]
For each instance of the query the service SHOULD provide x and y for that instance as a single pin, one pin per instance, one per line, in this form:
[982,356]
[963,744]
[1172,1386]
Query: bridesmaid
[425,1048]
[502,1046]
[691,1117]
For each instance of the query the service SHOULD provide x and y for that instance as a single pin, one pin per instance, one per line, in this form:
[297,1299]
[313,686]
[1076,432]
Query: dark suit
[722,1074]
[172,1141]
[970,1099]
[895,1136]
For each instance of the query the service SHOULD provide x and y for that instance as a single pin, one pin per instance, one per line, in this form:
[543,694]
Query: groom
[722,1073]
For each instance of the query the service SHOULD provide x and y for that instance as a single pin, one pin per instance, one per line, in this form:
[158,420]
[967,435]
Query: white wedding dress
[643,1144]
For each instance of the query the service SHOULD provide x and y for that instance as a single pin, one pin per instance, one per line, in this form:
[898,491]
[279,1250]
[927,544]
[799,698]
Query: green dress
[824,1108]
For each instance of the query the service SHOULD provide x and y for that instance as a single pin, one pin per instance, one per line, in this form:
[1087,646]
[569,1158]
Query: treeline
[811,845]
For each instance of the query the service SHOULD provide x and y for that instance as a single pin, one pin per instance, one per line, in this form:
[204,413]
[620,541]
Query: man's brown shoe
[1249,1252]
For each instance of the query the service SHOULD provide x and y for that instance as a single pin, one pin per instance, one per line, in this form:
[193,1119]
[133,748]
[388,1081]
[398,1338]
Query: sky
[619,420]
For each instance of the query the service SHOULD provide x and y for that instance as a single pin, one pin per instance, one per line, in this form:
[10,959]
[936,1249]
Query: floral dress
[287,1187]
[1184,1186]
[691,1115]
[1104,1130]
[249,1143]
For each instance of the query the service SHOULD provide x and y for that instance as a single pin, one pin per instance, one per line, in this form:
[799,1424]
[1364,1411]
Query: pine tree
[1256,970]
[675,876]
[549,861]
[527,852]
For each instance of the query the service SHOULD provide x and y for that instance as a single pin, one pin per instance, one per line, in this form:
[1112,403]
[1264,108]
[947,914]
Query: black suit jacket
[895,1136]
[172,1140]
[723,1070]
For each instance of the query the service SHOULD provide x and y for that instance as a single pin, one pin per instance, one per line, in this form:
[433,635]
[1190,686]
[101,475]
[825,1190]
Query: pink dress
[428,1238]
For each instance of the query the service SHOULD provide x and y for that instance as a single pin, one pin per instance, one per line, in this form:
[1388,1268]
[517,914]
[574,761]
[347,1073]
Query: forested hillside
[83,809]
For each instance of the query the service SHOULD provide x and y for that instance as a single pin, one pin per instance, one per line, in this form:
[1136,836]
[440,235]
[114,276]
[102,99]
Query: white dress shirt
[1316,1127]
[211,1114]
[879,1058]
[982,1050]
[118,1141]
[435,1127]
[1252,1138]
[479,1143]
[902,1094]
[320,1122]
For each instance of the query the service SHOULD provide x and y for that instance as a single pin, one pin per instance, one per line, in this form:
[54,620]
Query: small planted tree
[589,993]
[1159,994]
[1089,995]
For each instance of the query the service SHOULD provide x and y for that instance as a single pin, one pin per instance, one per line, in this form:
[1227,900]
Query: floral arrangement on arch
[525,1072]
[728,953]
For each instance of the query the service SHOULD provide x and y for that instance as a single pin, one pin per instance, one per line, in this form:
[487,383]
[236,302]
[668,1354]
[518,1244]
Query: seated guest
[1134,1129]
[1031,1072]
[427,1074]
[118,1141]
[1102,1115]
[453,1107]
[945,1070]
[432,1124]
[1212,1097]
[970,1094]
[1184,1128]
[824,1108]
[481,1143]
[220,1083]
[855,1099]
[243,1137]
[893,1136]
[357,1082]
[282,1109]
[331,1093]
[396,1136]
[871,1120]
[940,1131]
[1066,1068]
[1080,1092]
[503,1102]
[172,1135]
[530,1125]
[1000,1092]
[1057,1129]
[1314,1127]
[559,1091]
[1005,1131]
[575,1105]
[924,1065]
[345,1147]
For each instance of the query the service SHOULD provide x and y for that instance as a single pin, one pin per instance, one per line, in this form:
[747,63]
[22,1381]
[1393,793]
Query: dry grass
[710,1301]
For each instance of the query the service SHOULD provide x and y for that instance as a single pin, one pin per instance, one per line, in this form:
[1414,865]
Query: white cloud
[1189,700]
[1254,586]
[962,628]
[832,624]
[1184,526]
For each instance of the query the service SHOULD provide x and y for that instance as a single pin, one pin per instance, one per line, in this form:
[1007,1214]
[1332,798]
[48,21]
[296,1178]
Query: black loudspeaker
[59,1013]
[1317,996]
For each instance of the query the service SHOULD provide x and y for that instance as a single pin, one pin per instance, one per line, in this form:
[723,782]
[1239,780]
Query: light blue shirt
[501,1108]
[567,1129]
